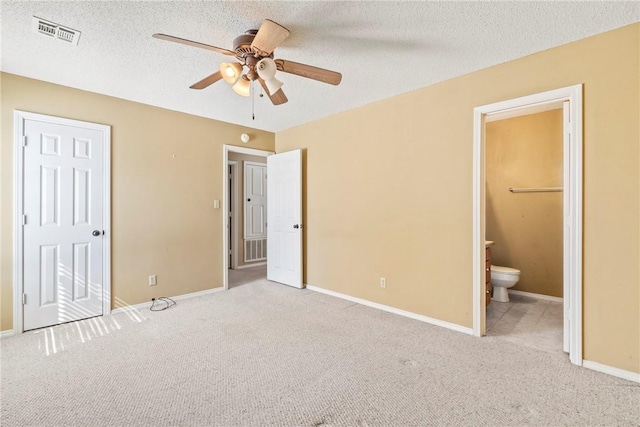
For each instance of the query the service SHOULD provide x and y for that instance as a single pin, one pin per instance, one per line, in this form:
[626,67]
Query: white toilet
[503,278]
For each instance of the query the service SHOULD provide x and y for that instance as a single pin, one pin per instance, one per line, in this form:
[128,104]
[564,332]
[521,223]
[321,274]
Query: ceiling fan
[253,51]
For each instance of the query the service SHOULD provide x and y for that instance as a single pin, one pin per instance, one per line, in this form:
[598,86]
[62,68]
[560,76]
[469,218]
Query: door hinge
[24,141]
[24,220]
[24,299]
[230,252]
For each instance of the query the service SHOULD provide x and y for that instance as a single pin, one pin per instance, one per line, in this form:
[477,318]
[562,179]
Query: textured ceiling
[381,48]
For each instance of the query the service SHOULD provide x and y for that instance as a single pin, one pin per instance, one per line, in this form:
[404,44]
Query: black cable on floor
[168,302]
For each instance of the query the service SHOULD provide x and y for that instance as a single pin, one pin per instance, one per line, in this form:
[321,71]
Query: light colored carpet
[267,354]
[246,275]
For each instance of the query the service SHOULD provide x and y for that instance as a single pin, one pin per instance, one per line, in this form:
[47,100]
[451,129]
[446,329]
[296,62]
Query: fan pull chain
[253,101]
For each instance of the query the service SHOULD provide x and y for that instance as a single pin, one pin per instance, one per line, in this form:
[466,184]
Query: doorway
[523,216]
[237,268]
[284,231]
[61,220]
[570,100]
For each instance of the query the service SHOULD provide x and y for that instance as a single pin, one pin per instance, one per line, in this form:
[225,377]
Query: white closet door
[63,231]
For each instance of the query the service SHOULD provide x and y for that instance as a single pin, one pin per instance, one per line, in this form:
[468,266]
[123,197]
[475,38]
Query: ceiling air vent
[51,29]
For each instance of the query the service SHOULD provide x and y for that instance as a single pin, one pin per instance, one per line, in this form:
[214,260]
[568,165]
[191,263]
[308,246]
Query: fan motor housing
[242,43]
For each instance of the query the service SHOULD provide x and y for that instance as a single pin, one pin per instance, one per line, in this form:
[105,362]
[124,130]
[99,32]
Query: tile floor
[528,321]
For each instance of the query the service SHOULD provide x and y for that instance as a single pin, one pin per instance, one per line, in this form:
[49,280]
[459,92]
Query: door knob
[96,232]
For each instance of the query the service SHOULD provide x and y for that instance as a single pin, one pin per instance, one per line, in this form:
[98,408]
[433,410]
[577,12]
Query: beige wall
[527,227]
[406,211]
[240,158]
[163,220]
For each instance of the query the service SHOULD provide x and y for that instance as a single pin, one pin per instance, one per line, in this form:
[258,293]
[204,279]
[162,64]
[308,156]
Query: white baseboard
[257,264]
[198,294]
[616,372]
[7,333]
[536,296]
[146,305]
[134,307]
[420,317]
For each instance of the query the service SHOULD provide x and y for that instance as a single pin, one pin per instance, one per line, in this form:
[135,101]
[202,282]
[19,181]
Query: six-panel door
[63,185]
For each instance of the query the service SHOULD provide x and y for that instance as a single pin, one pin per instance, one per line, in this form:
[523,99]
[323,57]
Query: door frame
[226,149]
[572,206]
[233,176]
[19,117]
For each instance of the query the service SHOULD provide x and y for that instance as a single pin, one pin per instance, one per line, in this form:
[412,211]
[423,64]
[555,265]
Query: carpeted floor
[267,354]
[243,276]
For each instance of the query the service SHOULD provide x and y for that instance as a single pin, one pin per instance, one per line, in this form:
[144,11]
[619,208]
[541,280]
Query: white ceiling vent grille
[51,29]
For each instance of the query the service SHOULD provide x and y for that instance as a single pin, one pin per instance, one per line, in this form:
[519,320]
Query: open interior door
[284,210]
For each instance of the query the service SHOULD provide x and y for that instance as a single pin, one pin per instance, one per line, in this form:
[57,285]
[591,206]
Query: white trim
[234,212]
[135,307]
[198,293]
[573,216]
[257,264]
[532,109]
[145,305]
[19,118]
[389,309]
[479,257]
[18,155]
[225,203]
[610,370]
[8,333]
[536,296]
[106,220]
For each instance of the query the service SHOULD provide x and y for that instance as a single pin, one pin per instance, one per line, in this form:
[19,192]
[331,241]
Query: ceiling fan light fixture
[266,68]
[242,87]
[273,85]
[230,71]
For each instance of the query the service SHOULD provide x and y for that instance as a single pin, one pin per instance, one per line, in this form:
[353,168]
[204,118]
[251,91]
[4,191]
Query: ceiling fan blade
[207,81]
[308,71]
[269,36]
[195,44]
[277,98]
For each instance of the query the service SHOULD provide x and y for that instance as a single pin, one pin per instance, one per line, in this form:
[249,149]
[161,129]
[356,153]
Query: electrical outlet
[153,280]
[383,282]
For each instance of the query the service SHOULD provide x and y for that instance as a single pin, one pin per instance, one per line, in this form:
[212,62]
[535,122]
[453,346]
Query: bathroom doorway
[523,217]
[569,101]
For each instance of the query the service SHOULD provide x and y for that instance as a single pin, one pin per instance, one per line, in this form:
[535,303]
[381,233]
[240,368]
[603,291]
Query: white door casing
[571,99]
[62,215]
[566,228]
[233,214]
[284,234]
[255,200]
[226,149]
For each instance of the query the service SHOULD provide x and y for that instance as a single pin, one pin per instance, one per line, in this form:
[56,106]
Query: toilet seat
[505,270]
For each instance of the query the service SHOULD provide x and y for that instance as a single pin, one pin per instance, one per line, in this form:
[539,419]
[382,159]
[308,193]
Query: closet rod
[535,190]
